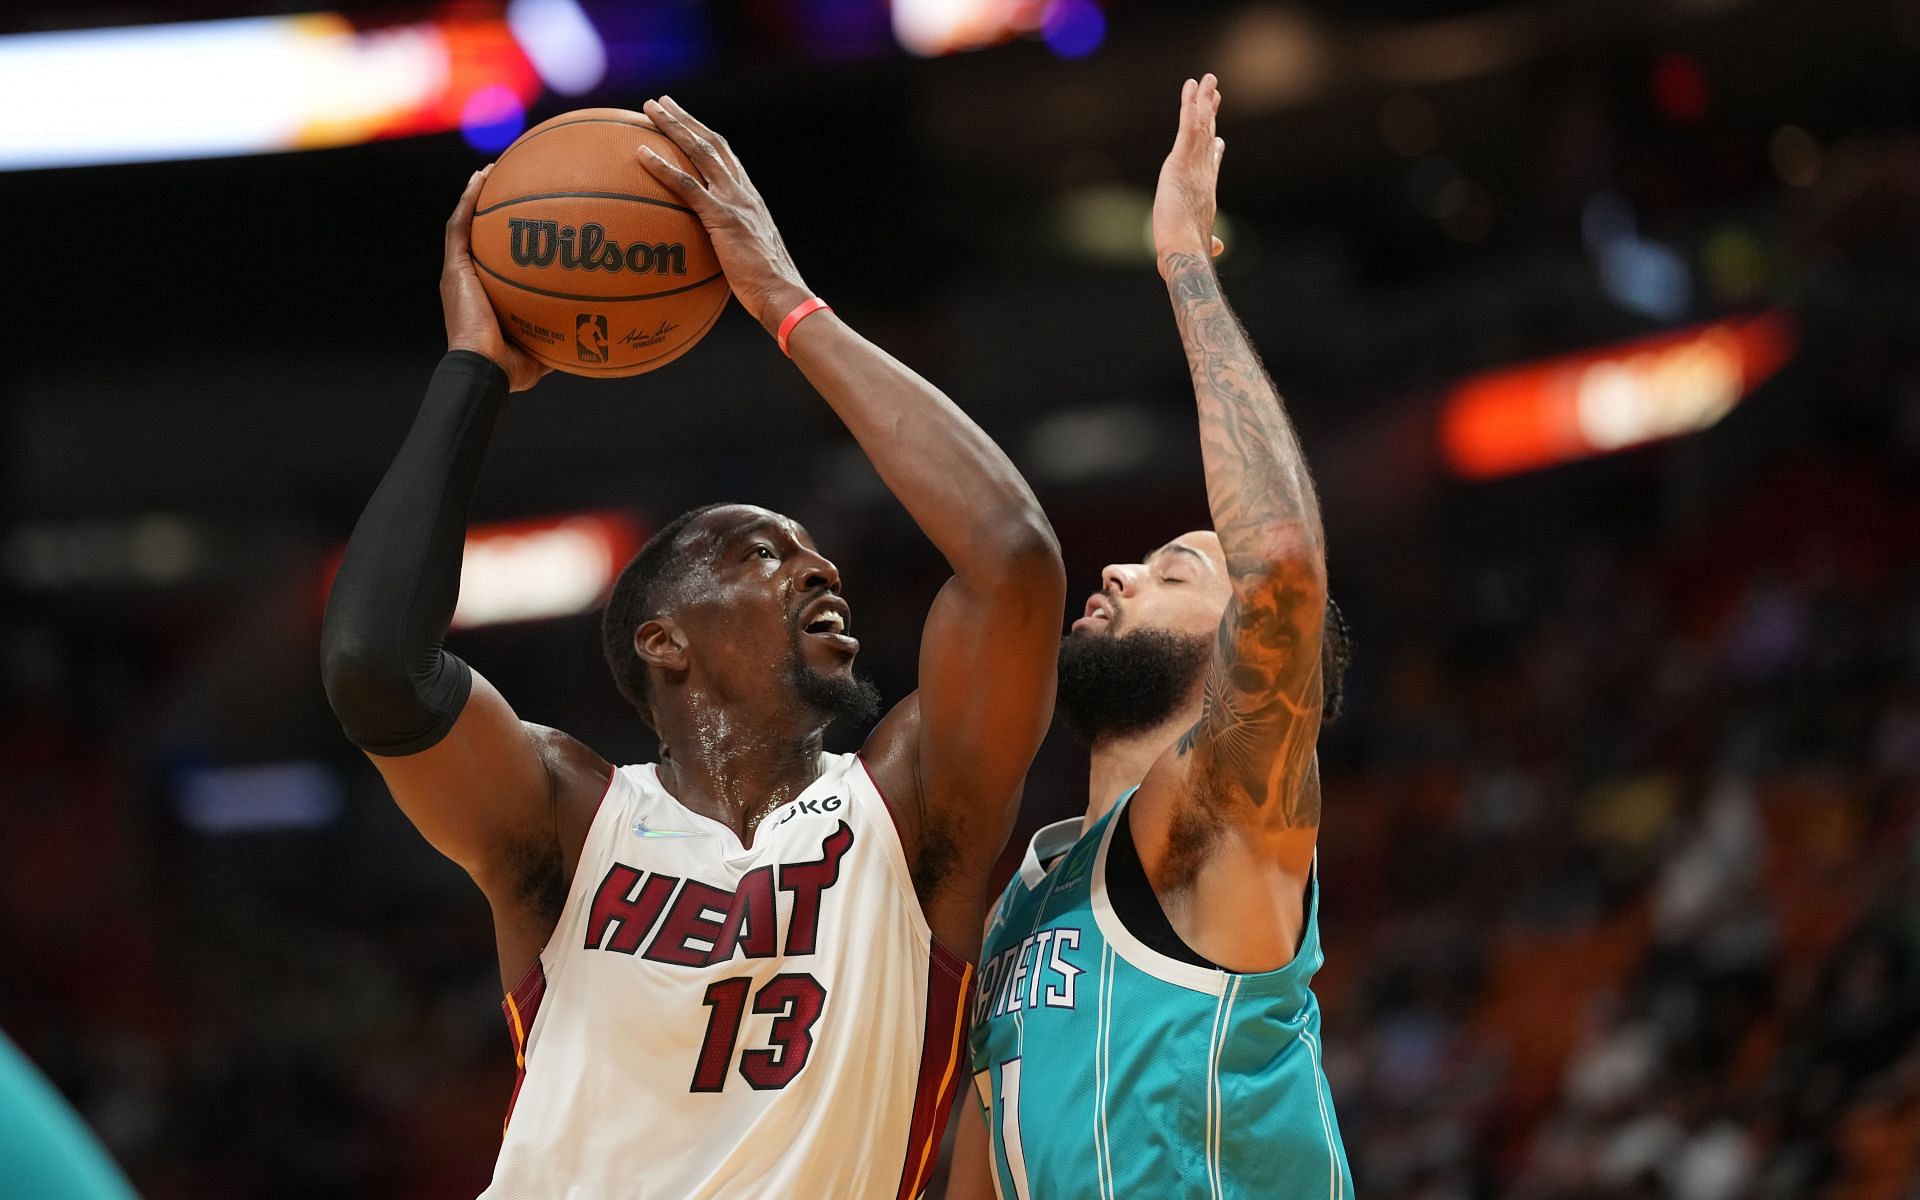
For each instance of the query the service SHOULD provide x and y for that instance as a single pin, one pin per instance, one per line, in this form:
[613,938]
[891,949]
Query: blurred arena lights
[1074,28]
[1079,444]
[1564,409]
[1639,274]
[1071,28]
[256,85]
[561,42]
[1734,263]
[1447,49]
[1273,57]
[535,570]
[1103,222]
[1680,88]
[492,118]
[146,550]
[258,798]
[1795,156]
[1112,223]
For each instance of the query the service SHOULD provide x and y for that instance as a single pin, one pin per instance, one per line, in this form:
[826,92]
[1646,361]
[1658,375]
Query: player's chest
[675,889]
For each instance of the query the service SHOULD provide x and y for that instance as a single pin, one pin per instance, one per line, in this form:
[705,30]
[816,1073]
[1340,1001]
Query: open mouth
[831,622]
[827,619]
[1099,615]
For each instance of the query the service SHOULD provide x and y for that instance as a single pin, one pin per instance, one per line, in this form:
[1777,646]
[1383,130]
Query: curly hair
[1336,655]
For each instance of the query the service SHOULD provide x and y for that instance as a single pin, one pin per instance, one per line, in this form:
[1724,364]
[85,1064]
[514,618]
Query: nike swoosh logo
[642,829]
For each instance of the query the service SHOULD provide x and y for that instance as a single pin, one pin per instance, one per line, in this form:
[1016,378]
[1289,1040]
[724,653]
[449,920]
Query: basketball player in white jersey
[739,971]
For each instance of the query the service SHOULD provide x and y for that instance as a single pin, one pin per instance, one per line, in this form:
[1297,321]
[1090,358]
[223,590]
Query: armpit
[539,878]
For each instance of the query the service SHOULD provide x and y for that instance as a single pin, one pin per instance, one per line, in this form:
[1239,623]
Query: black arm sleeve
[393,686]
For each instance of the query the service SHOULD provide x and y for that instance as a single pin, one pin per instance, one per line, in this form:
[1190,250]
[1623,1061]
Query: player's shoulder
[571,763]
[891,754]
[578,777]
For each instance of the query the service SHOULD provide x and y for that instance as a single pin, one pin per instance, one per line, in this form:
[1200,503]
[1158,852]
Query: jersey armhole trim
[593,823]
[896,856]
[1296,975]
[522,1009]
[1131,949]
[943,1048]
[553,951]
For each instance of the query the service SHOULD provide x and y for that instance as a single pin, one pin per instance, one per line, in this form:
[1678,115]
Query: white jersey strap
[1048,844]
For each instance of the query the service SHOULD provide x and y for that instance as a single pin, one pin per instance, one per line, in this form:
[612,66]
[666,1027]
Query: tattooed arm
[1253,744]
[1231,811]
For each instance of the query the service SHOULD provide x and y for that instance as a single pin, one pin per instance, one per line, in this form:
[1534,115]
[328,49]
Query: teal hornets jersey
[1106,1069]
[46,1149]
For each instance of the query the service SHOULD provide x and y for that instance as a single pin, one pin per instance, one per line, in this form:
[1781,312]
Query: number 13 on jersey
[796,1000]
[1003,1127]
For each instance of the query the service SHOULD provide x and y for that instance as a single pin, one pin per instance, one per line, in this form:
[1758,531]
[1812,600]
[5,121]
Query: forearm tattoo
[1255,739]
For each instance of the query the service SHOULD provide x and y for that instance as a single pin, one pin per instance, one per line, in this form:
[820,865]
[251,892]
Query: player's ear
[661,643]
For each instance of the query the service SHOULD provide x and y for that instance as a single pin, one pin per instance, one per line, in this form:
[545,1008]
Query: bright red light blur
[537,569]
[1564,409]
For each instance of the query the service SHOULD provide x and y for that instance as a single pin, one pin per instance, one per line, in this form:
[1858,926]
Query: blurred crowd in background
[1621,845]
[1624,880]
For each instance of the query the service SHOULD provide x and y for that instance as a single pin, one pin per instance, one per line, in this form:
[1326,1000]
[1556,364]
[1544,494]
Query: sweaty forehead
[733,523]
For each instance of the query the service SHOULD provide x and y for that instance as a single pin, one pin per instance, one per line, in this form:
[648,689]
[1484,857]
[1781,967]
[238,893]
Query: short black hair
[635,601]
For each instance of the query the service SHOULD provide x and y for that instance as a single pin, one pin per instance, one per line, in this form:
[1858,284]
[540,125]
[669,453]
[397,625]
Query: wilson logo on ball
[538,243]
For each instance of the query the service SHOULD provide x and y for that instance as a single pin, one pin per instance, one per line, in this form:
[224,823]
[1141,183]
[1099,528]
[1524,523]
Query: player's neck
[736,772]
[1122,762]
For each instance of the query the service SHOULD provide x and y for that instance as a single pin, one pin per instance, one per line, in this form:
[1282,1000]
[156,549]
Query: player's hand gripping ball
[593,266]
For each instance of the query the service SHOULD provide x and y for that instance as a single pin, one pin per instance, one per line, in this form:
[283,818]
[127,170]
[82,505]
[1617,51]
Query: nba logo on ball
[590,337]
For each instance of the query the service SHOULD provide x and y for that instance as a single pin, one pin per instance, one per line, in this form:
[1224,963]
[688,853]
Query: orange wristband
[805,309]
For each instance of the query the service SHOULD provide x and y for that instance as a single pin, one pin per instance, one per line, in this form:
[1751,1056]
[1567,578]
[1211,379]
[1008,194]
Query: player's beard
[848,698]
[1112,686]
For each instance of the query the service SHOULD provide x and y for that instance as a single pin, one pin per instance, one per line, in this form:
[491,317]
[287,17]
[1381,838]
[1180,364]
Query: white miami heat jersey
[715,1020]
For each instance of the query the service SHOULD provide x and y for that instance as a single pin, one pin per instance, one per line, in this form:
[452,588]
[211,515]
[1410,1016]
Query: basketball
[593,267]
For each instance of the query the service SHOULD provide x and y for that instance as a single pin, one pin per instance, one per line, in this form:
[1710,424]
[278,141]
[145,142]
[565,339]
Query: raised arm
[1246,769]
[951,758]
[485,790]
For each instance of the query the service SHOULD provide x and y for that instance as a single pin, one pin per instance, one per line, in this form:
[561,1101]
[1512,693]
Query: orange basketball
[594,267]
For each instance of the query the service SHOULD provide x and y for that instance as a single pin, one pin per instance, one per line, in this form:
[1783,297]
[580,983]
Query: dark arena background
[1601,323]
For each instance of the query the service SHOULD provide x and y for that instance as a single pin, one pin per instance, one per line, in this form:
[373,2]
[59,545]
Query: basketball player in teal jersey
[45,1149]
[1143,1026]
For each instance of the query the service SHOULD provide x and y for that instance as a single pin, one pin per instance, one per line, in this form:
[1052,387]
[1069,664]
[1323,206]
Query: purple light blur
[1074,28]
[491,118]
